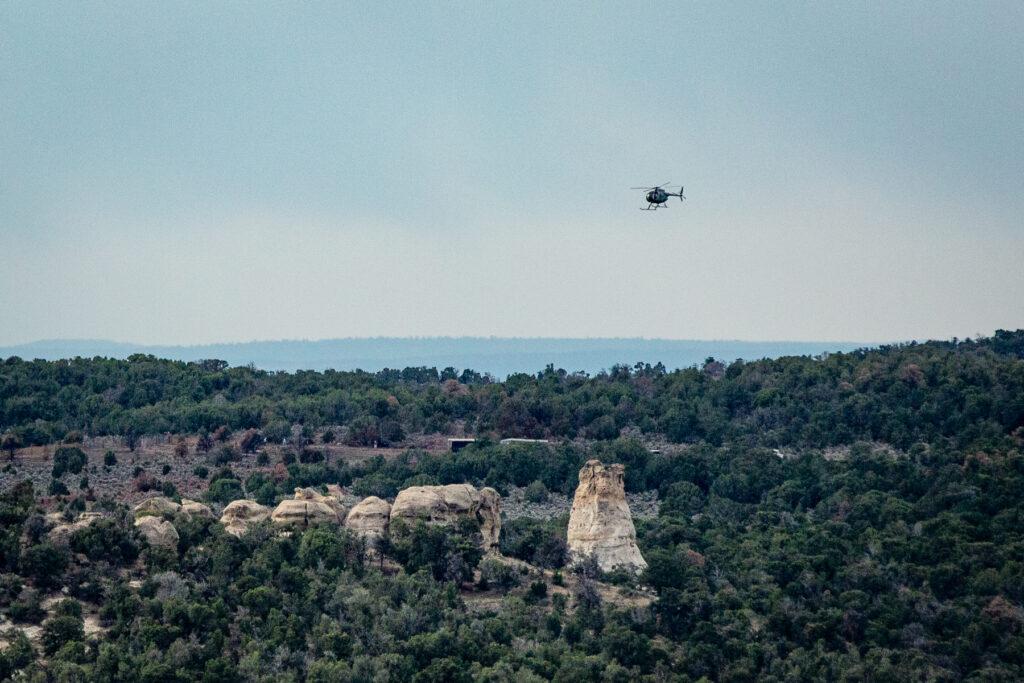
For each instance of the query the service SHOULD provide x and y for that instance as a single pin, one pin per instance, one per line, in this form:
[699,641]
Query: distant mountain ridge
[499,356]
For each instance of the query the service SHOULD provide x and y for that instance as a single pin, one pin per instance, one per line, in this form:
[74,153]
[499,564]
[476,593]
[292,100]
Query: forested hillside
[971,392]
[858,517]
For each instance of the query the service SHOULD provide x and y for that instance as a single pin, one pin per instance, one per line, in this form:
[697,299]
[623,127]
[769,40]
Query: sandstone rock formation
[600,523]
[308,507]
[241,514]
[158,531]
[448,504]
[156,506]
[194,508]
[160,506]
[332,499]
[369,518]
[61,533]
[489,515]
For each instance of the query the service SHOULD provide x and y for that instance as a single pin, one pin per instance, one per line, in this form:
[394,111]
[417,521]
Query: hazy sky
[174,172]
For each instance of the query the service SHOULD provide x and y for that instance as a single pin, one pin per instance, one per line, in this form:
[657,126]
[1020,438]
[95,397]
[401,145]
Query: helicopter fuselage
[657,196]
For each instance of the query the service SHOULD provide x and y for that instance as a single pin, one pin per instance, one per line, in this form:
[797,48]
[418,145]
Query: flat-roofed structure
[508,442]
[458,444]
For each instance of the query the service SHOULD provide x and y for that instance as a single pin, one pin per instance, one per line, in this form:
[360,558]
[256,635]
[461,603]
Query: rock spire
[600,524]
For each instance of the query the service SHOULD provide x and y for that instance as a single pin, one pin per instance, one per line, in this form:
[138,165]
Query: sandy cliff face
[159,532]
[372,517]
[194,508]
[489,516]
[369,518]
[62,532]
[157,506]
[308,507]
[448,504]
[331,500]
[600,523]
[239,515]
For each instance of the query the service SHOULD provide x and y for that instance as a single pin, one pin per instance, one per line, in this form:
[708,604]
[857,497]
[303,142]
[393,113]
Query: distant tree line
[967,392]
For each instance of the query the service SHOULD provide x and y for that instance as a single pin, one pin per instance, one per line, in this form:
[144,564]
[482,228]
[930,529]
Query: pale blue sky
[197,172]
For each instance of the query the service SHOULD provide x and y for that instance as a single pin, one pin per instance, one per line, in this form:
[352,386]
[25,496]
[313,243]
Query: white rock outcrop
[157,531]
[600,524]
[241,514]
[308,507]
[448,504]
[62,532]
[370,518]
[331,500]
[489,516]
[194,508]
[158,506]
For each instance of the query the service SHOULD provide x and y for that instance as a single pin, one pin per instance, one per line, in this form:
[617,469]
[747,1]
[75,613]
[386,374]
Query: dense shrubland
[881,566]
[897,557]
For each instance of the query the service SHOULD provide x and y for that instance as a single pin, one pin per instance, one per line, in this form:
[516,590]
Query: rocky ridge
[308,507]
[239,515]
[448,504]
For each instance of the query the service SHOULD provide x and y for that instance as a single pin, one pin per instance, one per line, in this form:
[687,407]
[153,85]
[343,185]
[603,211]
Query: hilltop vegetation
[856,517]
[499,356]
[967,392]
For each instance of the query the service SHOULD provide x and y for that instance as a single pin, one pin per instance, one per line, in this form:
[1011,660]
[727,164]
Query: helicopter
[657,195]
